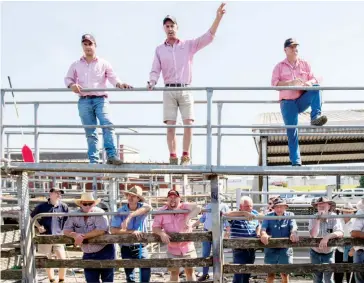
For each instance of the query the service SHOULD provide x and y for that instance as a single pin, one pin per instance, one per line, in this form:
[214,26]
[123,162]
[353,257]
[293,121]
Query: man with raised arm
[91,71]
[177,223]
[174,58]
[294,71]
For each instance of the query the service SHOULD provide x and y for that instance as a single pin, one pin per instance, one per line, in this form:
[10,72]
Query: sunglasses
[87,204]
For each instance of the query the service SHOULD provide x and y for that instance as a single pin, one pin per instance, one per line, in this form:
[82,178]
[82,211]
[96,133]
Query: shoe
[173,160]
[114,161]
[185,160]
[203,278]
[319,121]
[296,164]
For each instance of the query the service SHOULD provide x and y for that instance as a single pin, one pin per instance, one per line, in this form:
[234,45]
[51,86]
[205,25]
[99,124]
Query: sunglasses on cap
[87,203]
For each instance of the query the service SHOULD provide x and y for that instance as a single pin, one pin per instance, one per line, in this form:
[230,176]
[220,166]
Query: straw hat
[348,207]
[87,197]
[136,191]
[315,202]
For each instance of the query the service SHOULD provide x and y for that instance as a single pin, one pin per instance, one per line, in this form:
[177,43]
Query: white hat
[87,197]
[348,207]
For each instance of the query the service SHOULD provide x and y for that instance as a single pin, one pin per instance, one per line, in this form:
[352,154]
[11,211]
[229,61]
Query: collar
[167,43]
[285,61]
[57,204]
[83,59]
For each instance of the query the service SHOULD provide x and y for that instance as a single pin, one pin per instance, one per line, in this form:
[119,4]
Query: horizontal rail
[298,268]
[252,243]
[296,217]
[9,227]
[17,167]
[127,238]
[43,262]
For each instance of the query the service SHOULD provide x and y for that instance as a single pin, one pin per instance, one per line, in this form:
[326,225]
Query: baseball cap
[88,37]
[56,190]
[173,193]
[169,18]
[290,42]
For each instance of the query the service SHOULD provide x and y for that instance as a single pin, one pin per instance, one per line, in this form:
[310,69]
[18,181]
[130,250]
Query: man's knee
[188,122]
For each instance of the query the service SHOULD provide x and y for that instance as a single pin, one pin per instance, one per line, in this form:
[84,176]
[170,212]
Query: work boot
[185,160]
[173,160]
[114,161]
[319,121]
[203,278]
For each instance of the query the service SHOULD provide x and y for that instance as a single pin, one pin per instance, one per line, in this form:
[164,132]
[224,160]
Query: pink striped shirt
[175,61]
[284,71]
[175,223]
[91,75]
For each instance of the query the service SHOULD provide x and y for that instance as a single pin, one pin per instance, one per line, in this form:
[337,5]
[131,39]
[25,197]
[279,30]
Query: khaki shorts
[190,254]
[172,100]
[48,250]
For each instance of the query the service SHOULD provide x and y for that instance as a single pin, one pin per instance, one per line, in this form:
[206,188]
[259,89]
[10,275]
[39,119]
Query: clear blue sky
[39,41]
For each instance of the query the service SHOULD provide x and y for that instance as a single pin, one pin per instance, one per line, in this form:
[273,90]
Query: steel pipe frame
[305,217]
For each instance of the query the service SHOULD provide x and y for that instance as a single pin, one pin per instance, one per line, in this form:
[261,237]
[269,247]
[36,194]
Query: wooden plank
[285,242]
[298,268]
[11,274]
[43,262]
[9,227]
[127,238]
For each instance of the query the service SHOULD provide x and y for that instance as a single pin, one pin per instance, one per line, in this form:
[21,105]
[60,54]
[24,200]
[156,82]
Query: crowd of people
[135,222]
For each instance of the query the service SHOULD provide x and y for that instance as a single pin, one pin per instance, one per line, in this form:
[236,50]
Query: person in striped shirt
[249,228]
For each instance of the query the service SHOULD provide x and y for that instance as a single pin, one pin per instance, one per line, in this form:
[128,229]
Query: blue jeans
[206,251]
[359,258]
[93,275]
[243,256]
[128,252]
[318,258]
[290,110]
[91,109]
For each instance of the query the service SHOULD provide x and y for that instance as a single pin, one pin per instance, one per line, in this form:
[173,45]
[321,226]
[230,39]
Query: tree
[361,182]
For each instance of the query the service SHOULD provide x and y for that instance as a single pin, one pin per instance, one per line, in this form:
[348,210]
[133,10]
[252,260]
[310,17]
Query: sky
[40,40]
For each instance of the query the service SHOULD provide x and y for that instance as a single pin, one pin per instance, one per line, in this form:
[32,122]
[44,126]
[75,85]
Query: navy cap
[290,42]
[169,18]
[56,190]
[173,193]
[88,37]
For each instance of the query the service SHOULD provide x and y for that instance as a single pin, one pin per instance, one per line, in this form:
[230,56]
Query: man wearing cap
[177,223]
[293,71]
[174,59]
[358,232]
[346,253]
[82,228]
[52,226]
[286,228]
[133,223]
[325,228]
[91,71]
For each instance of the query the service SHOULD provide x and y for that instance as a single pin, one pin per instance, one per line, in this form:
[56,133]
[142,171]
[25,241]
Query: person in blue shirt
[206,219]
[249,228]
[52,226]
[134,223]
[286,228]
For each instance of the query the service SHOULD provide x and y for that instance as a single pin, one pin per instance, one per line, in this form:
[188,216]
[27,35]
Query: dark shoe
[173,160]
[319,121]
[203,278]
[185,160]
[296,164]
[114,161]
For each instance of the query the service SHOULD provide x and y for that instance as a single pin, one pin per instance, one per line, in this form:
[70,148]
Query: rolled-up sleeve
[157,222]
[276,75]
[201,42]
[101,223]
[70,224]
[111,76]
[156,68]
[71,76]
[358,225]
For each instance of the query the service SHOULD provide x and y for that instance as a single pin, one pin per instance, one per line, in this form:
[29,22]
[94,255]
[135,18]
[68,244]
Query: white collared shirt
[347,227]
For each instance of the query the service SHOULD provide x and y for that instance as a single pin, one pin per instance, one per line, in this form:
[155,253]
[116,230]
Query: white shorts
[172,100]
[48,250]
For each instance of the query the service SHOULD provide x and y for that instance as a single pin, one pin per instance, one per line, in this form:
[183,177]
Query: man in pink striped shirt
[91,71]
[174,59]
[293,71]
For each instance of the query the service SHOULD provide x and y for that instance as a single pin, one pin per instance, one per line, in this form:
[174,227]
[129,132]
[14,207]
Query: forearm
[215,25]
[118,231]
[263,233]
[141,211]
[69,233]
[286,83]
[337,234]
[357,234]
[315,229]
[93,234]
[157,230]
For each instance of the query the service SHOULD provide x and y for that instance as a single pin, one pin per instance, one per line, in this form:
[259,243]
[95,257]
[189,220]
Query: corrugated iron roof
[316,149]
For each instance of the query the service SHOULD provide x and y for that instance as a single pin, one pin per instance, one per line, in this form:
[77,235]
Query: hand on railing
[151,85]
[265,239]
[41,229]
[138,234]
[294,237]
[123,86]
[76,88]
[164,237]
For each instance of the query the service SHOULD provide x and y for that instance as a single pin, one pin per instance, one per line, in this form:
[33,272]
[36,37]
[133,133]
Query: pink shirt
[175,223]
[284,71]
[175,61]
[91,75]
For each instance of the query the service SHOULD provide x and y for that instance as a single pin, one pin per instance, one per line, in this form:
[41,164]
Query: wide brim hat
[315,202]
[136,191]
[87,197]
[348,207]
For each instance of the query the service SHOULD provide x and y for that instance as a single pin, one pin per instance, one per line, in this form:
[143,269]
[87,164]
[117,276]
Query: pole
[36,134]
[209,128]
[219,136]
[2,106]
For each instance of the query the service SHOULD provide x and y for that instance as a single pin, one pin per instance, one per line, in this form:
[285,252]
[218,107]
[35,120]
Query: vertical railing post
[217,250]
[265,197]
[112,195]
[219,137]
[36,134]
[8,152]
[26,245]
[118,145]
[94,186]
[209,129]
[2,108]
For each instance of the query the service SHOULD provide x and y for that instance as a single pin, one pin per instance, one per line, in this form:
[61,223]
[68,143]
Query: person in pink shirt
[293,71]
[177,223]
[91,71]
[174,58]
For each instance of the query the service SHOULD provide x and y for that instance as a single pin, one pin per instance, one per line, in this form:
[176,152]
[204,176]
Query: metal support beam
[94,187]
[217,251]
[265,188]
[26,245]
[2,107]
[208,128]
[36,134]
[338,183]
[112,195]
[219,136]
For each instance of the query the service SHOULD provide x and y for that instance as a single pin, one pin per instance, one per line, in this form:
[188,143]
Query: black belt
[176,85]
[92,96]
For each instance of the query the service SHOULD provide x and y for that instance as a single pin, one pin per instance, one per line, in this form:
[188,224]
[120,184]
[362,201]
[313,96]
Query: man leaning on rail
[52,226]
[174,59]
[91,71]
[327,228]
[81,228]
[285,228]
[293,71]
[134,223]
[177,223]
[249,228]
